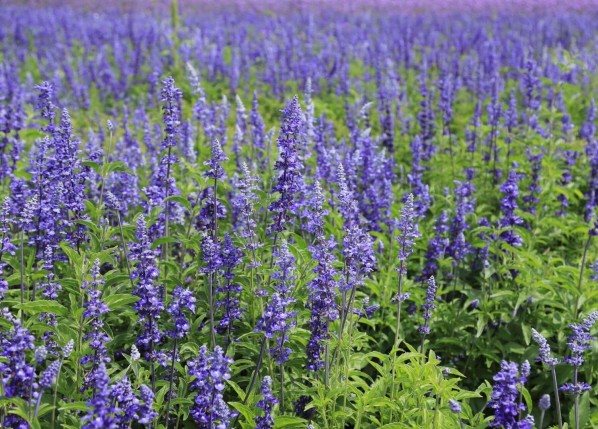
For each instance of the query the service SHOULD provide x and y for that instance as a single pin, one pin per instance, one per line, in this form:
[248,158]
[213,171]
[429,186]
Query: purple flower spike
[288,165]
[266,404]
[211,370]
[505,398]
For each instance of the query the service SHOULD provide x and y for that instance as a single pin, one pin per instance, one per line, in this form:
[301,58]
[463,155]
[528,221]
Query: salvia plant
[321,215]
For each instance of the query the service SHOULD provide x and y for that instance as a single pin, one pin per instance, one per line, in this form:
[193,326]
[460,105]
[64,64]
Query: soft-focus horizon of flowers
[381,6]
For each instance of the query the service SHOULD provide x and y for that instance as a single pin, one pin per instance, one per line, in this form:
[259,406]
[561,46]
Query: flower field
[233,215]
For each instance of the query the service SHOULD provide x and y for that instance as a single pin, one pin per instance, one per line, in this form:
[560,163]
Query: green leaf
[73,256]
[93,165]
[78,406]
[163,240]
[43,306]
[289,422]
[119,300]
[181,200]
[245,411]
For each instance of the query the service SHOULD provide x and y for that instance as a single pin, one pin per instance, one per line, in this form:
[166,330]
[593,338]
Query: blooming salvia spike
[146,413]
[95,308]
[216,171]
[278,319]
[266,404]
[135,353]
[546,358]
[428,306]
[348,205]
[505,398]
[211,370]
[288,166]
[544,348]
[458,247]
[45,105]
[40,354]
[408,232]
[508,205]
[579,342]
[258,129]
[46,380]
[49,375]
[112,202]
[313,212]
[229,299]
[454,406]
[358,249]
[321,301]
[544,403]
[68,349]
[436,246]
[101,410]
[182,299]
[150,303]
[17,373]
[243,204]
[127,404]
[163,184]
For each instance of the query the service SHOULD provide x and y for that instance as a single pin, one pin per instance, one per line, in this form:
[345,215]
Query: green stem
[170,381]
[556,398]
[22,274]
[580,282]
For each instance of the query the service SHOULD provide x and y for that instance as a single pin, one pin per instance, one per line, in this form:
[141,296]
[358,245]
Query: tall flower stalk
[427,308]
[288,166]
[278,317]
[216,173]
[182,299]
[150,304]
[358,252]
[322,289]
[579,342]
[211,371]
[408,232]
[171,117]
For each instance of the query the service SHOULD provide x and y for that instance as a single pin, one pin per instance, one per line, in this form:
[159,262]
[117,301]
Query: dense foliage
[302,220]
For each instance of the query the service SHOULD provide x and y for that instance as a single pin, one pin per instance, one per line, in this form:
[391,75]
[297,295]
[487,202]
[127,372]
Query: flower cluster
[95,308]
[408,232]
[428,306]
[229,291]
[266,404]
[289,164]
[321,301]
[211,370]
[278,319]
[544,348]
[182,299]
[508,205]
[150,303]
[505,398]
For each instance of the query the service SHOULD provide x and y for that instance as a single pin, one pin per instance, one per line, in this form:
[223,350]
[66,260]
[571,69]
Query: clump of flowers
[211,370]
[505,398]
